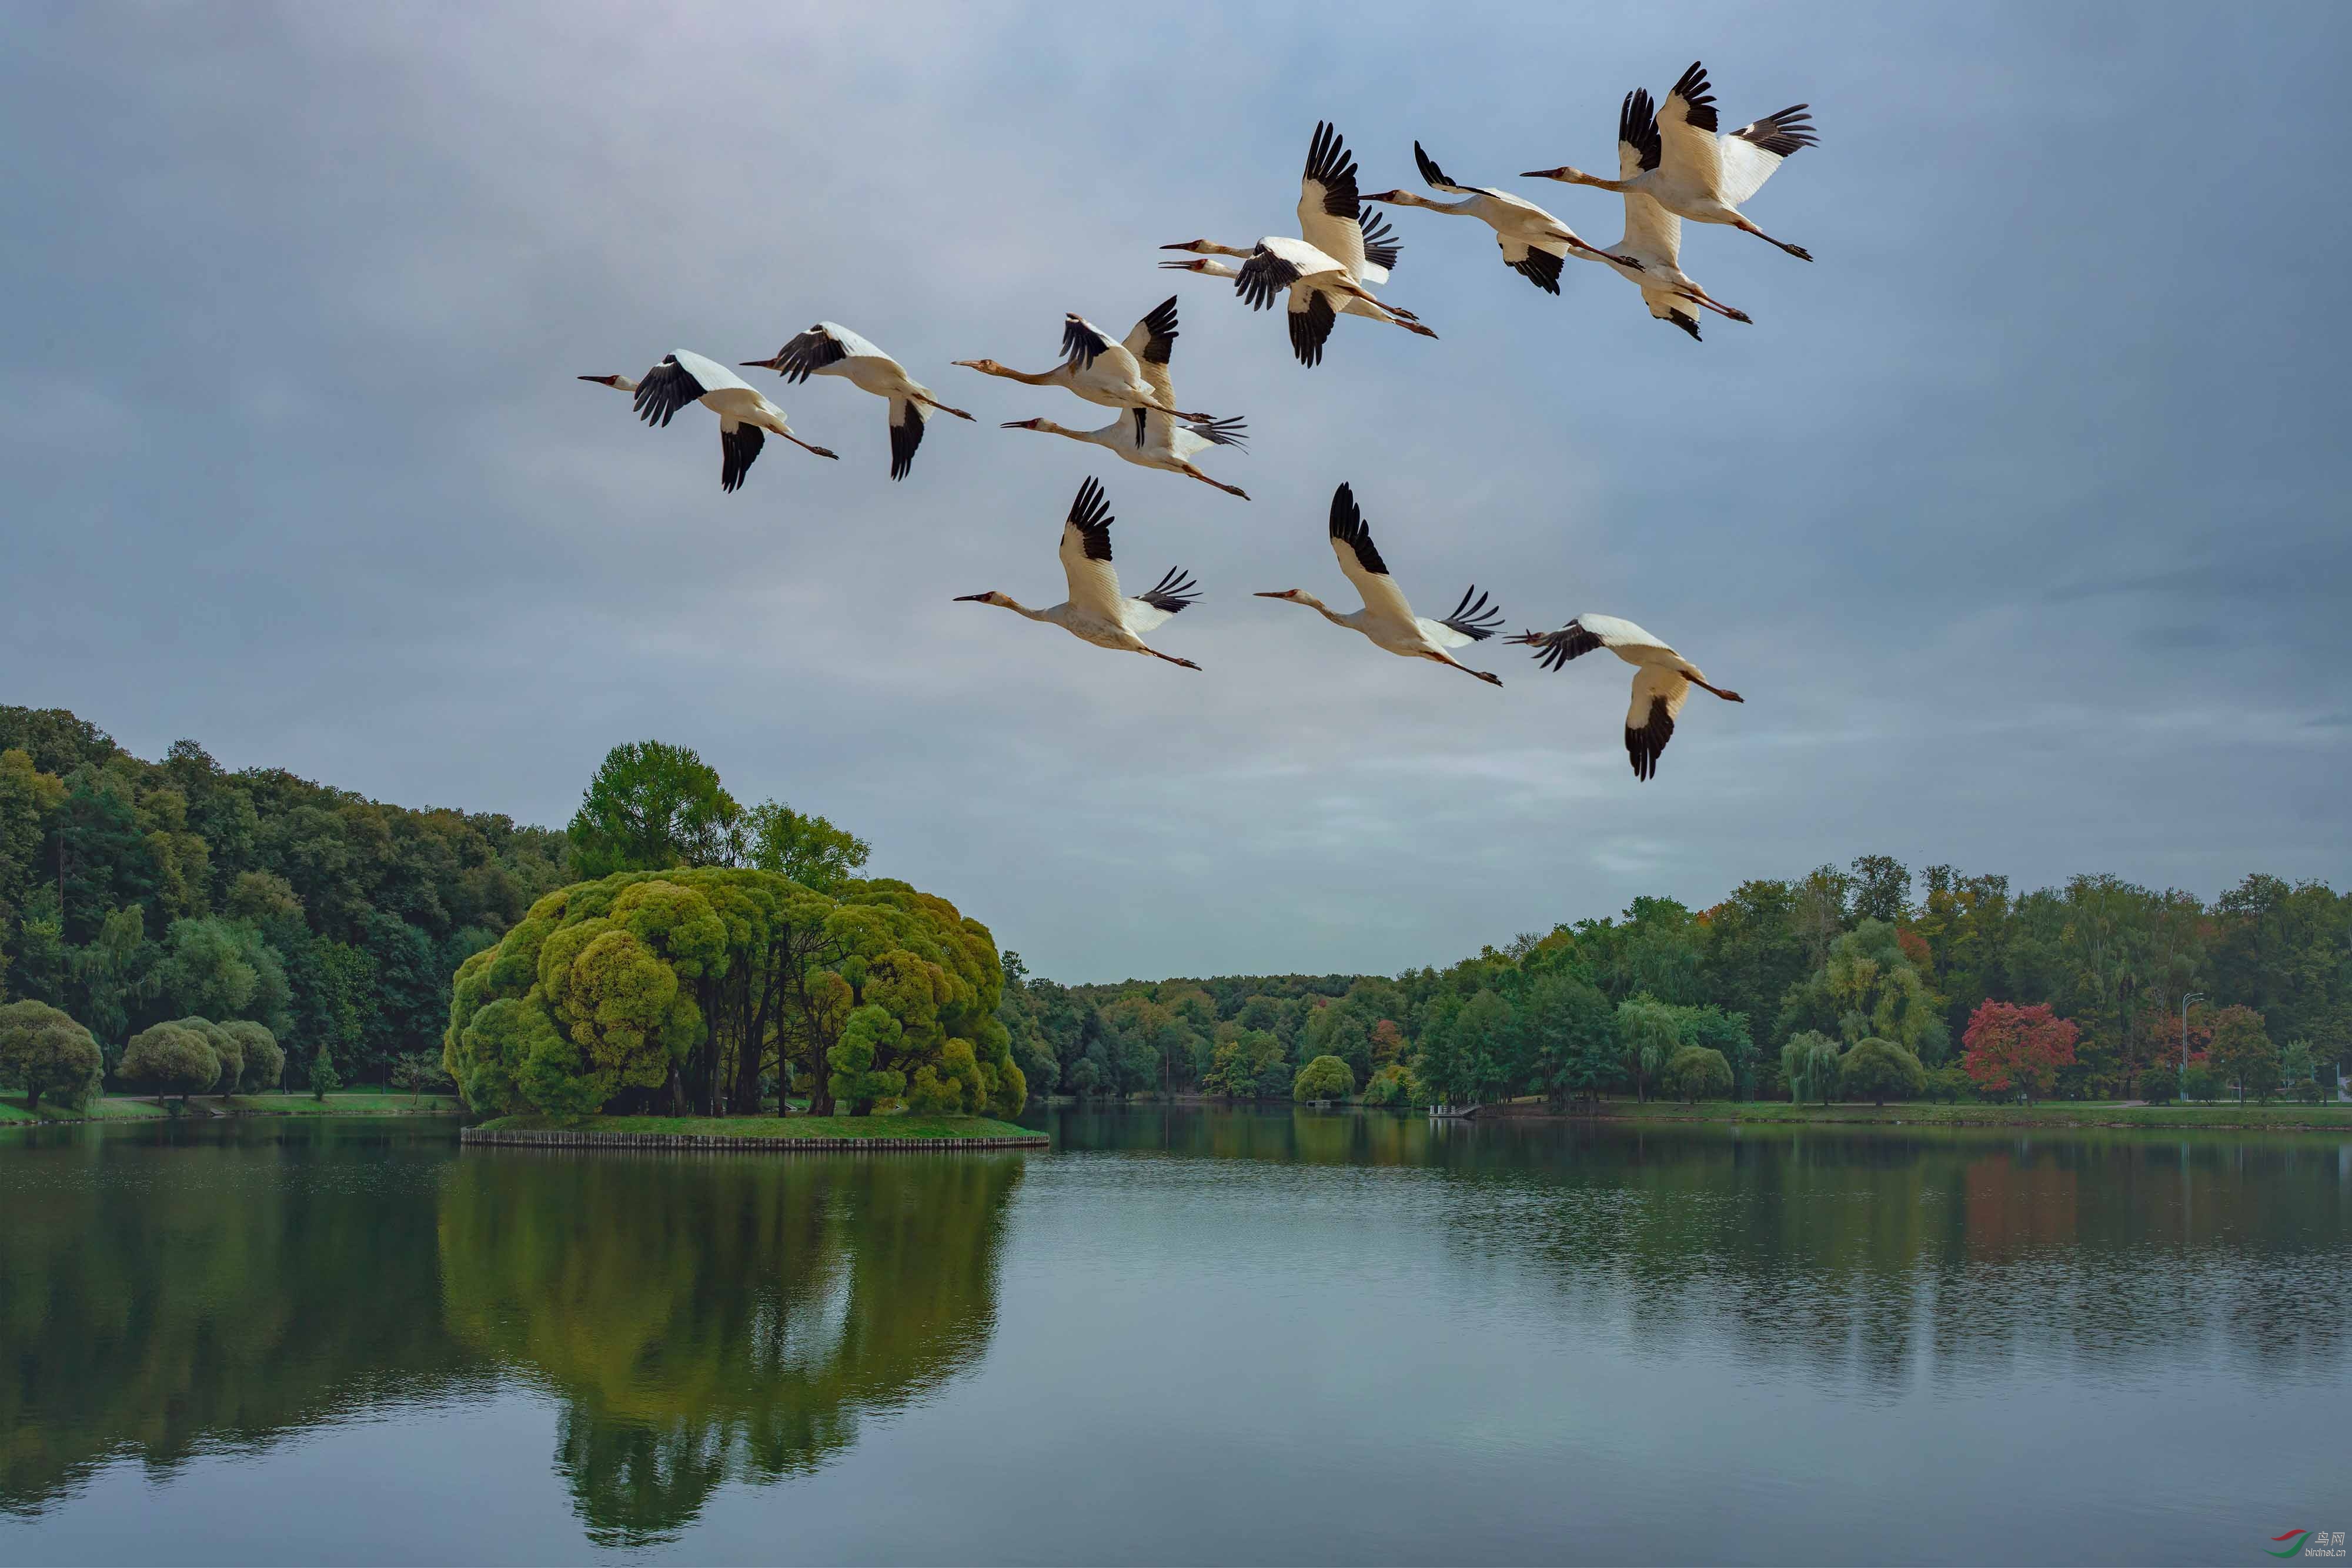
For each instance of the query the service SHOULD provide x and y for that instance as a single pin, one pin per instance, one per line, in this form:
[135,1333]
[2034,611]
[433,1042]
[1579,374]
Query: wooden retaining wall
[706,1142]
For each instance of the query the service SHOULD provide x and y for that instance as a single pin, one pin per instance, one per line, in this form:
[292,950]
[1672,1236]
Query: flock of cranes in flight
[1672,164]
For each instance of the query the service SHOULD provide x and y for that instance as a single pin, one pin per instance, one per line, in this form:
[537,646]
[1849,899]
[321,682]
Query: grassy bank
[13,1111]
[910,1127]
[208,1107]
[2224,1114]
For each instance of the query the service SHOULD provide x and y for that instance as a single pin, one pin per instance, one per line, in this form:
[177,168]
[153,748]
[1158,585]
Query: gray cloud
[2018,517]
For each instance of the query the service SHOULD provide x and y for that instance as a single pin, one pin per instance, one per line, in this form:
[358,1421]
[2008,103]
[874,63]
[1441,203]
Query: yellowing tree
[685,990]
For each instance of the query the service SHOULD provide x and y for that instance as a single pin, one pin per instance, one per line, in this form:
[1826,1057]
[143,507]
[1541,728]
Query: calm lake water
[1180,1336]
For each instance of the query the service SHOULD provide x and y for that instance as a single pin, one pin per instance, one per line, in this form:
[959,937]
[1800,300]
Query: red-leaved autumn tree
[2008,1049]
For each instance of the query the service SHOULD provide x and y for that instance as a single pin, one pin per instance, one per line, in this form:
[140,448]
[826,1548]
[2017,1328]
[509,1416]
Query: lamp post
[2185,1000]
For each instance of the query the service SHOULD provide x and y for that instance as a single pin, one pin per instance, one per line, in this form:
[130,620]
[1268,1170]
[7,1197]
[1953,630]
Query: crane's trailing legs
[1800,252]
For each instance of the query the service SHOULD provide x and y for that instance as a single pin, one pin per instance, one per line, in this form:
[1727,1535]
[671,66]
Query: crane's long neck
[1029,377]
[1461,209]
[1325,611]
[1228,250]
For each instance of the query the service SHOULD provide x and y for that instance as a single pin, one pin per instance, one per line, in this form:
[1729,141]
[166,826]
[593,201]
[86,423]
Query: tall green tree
[803,846]
[1563,1022]
[650,807]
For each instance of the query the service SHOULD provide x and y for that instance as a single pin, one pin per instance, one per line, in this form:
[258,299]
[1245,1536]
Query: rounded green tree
[1876,1068]
[171,1058]
[264,1059]
[50,1054]
[227,1048]
[1325,1078]
[1696,1073]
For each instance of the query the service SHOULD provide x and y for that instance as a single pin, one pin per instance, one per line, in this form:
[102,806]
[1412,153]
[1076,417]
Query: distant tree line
[1866,982]
[133,894]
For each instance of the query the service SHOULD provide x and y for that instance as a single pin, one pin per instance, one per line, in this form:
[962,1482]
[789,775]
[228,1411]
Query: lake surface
[1180,1336]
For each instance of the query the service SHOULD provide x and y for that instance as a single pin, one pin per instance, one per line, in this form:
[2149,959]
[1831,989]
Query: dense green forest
[135,892]
[140,897]
[1783,979]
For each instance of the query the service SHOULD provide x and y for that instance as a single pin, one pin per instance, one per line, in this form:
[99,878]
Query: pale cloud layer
[2019,518]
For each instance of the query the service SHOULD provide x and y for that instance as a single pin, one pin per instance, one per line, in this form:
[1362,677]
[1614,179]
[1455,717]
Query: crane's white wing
[905,434]
[1652,232]
[1587,632]
[1538,262]
[1658,696]
[852,345]
[1151,341]
[1380,247]
[666,388]
[1653,235]
[1085,556]
[1082,341]
[1666,305]
[1328,206]
[1751,153]
[1469,623]
[738,447]
[1311,319]
[811,352]
[1167,597]
[714,376]
[1359,558]
[1614,634]
[1688,142]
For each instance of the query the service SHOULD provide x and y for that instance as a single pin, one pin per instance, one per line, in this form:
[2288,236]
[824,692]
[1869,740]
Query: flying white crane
[1146,436]
[743,414]
[1386,618]
[1331,213]
[1661,678]
[1533,241]
[1094,367]
[1096,610]
[1653,236]
[1324,274]
[1693,173]
[830,348]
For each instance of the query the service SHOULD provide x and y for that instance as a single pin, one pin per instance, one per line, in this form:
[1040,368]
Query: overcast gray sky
[2018,519]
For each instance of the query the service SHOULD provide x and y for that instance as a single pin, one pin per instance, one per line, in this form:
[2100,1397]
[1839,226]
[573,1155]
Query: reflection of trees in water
[157,1299]
[1856,1253]
[708,1319]
[1284,1135]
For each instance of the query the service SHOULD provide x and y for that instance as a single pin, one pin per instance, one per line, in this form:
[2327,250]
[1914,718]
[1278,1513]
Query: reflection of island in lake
[703,1320]
[699,1318]
[159,1298]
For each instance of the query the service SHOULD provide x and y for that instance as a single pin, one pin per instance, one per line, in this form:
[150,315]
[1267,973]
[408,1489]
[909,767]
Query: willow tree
[684,989]
[1869,987]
